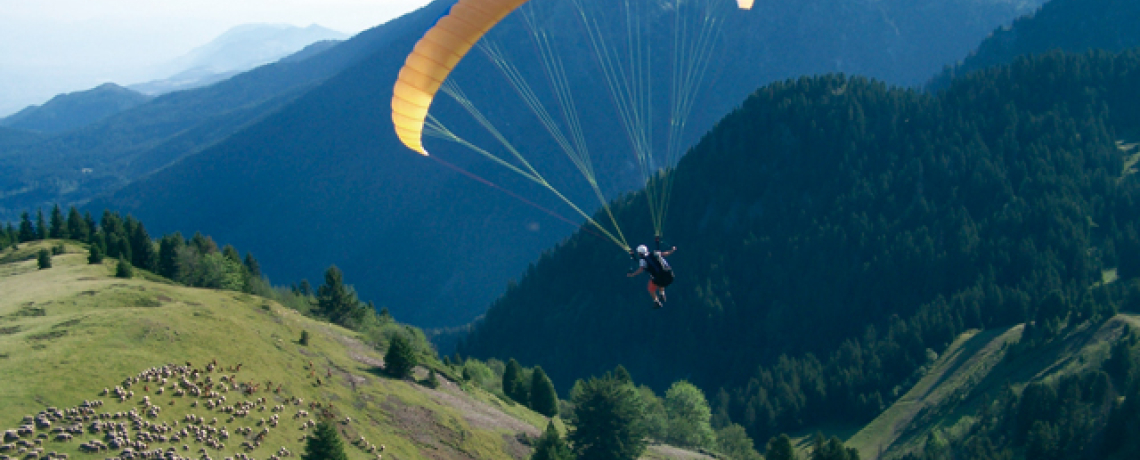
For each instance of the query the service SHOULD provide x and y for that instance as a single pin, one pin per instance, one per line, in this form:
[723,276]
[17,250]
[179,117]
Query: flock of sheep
[135,434]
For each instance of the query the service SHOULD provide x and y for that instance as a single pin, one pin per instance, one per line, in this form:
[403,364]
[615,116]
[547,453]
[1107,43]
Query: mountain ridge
[77,109]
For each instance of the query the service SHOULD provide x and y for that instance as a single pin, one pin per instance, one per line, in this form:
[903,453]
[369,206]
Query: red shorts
[653,287]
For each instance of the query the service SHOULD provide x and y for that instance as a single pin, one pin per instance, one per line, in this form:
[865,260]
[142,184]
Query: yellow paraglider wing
[432,59]
[744,4]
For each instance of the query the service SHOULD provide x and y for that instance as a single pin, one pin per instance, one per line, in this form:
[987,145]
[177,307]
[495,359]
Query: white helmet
[644,251]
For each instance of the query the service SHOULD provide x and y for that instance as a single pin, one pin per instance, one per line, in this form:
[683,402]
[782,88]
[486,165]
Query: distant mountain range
[74,110]
[436,247]
[238,50]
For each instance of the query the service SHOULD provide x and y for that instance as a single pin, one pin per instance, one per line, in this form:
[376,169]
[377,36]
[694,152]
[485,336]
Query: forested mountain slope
[1070,25]
[832,230]
[324,180]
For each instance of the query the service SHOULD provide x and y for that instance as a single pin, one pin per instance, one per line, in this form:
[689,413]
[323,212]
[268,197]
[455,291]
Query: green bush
[124,269]
[401,357]
[95,255]
[44,259]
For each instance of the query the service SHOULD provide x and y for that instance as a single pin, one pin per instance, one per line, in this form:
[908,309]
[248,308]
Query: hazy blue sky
[49,47]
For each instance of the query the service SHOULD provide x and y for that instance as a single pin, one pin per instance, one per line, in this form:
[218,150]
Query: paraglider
[660,273]
[695,35]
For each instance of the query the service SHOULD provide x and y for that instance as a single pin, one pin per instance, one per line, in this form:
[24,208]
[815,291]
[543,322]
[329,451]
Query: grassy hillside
[71,331]
[74,331]
[972,372]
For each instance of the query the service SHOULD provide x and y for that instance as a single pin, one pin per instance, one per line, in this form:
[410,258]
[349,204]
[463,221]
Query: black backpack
[659,269]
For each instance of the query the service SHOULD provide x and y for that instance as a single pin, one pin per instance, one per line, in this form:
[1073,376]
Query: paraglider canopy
[437,53]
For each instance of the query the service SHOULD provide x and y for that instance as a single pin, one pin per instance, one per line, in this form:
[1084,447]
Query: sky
[48,47]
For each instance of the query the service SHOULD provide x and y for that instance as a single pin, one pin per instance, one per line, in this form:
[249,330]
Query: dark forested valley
[833,231]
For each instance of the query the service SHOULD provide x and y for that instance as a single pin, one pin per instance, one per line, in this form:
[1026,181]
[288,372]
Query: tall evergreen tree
[607,421]
[58,226]
[514,385]
[92,227]
[41,225]
[252,265]
[551,446]
[76,226]
[27,230]
[231,253]
[168,249]
[543,397]
[203,244]
[337,301]
[622,375]
[324,443]
[143,254]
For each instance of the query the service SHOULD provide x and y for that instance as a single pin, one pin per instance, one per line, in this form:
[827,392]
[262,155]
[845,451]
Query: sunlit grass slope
[973,371]
[71,331]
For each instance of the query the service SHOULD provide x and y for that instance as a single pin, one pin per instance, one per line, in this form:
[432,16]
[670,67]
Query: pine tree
[337,301]
[622,375]
[543,397]
[76,226]
[252,265]
[204,244]
[58,230]
[231,253]
[168,249]
[608,423]
[92,227]
[324,443]
[551,446]
[41,225]
[400,359]
[514,386]
[143,254]
[27,230]
[44,259]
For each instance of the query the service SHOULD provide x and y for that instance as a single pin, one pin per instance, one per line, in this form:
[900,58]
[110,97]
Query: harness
[658,269]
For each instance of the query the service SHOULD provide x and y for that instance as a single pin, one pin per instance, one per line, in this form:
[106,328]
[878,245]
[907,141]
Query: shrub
[124,269]
[95,255]
[44,259]
[401,357]
[304,338]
